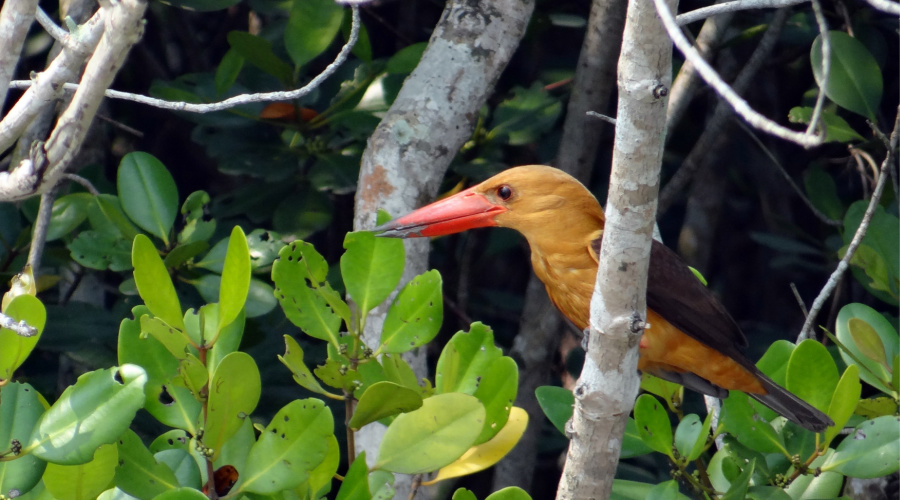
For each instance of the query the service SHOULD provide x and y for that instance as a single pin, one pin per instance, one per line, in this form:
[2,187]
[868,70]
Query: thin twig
[41,225]
[857,238]
[787,177]
[607,119]
[799,299]
[236,100]
[826,68]
[84,182]
[741,107]
[58,34]
[722,8]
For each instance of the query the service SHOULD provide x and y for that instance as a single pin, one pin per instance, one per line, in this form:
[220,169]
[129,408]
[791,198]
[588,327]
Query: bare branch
[239,100]
[41,225]
[842,266]
[740,106]
[58,34]
[46,86]
[886,6]
[15,19]
[21,328]
[826,68]
[734,6]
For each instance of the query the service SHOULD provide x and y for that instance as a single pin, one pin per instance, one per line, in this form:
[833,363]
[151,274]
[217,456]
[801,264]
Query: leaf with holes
[415,316]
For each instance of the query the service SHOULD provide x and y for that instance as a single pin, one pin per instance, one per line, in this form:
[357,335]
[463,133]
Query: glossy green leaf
[319,481]
[866,339]
[823,485]
[869,451]
[513,493]
[312,26]
[466,359]
[880,275]
[870,408]
[182,494]
[558,404]
[20,408]
[356,483]
[106,215]
[822,192]
[433,436]
[235,278]
[148,193]
[406,59]
[836,128]
[371,268]
[670,392]
[523,118]
[623,489]
[154,284]
[86,480]
[193,375]
[138,473]
[855,82]
[68,213]
[688,434]
[664,491]
[94,411]
[872,372]
[228,70]
[381,484]
[182,253]
[184,465]
[812,374]
[233,394]
[293,359]
[653,424]
[258,52]
[463,494]
[234,451]
[738,489]
[497,392]
[229,339]
[415,316]
[381,400]
[175,341]
[101,251]
[173,406]
[843,402]
[292,445]
[743,422]
[296,273]
[14,348]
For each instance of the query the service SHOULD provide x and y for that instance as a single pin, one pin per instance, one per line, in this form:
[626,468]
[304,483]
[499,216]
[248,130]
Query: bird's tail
[793,408]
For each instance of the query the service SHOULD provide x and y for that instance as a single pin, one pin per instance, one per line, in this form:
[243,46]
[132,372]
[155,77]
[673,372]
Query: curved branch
[734,6]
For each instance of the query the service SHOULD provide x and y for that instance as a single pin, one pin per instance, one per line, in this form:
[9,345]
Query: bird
[692,339]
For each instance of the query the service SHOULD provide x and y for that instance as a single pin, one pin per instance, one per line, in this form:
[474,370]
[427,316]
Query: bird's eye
[504,192]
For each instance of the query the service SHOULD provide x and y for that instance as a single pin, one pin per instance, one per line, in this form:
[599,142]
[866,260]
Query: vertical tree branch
[16,17]
[431,118]
[605,393]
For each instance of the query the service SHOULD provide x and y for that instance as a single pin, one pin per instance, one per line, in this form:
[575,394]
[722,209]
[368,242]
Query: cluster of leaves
[185,368]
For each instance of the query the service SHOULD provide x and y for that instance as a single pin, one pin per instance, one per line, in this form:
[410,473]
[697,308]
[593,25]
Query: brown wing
[678,296]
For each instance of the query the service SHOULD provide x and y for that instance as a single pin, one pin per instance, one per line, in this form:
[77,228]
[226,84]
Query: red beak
[464,210]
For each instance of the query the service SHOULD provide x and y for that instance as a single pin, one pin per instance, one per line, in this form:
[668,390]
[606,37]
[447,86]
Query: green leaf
[229,338]
[293,359]
[356,484]
[822,192]
[670,392]
[466,359]
[866,339]
[371,268]
[363,47]
[235,279]
[872,372]
[812,374]
[154,284]
[406,59]
[312,26]
[68,213]
[653,424]
[87,480]
[855,82]
[233,394]
[871,408]
[433,436]
[173,406]
[258,52]
[512,493]
[14,348]
[182,253]
[383,399]
[298,274]
[632,490]
[823,485]
[20,408]
[193,375]
[883,237]
[381,484]
[415,316]
[557,403]
[292,445]
[106,215]
[843,402]
[94,411]
[525,117]
[175,341]
[497,392]
[870,451]
[836,128]
[743,422]
[664,491]
[101,251]
[184,493]
[463,494]
[319,482]
[738,489]
[234,451]
[688,435]
[138,473]
[148,193]
[228,70]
